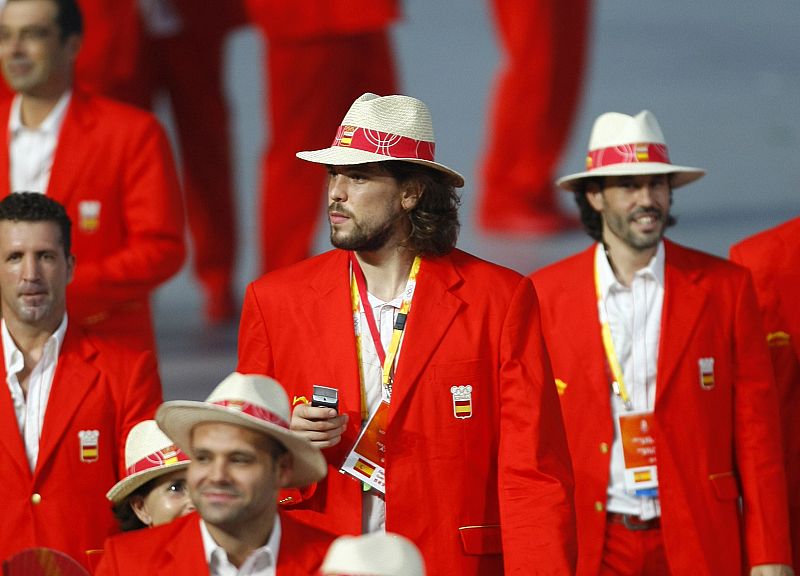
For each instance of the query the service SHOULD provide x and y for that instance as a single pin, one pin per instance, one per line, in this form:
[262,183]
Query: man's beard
[362,239]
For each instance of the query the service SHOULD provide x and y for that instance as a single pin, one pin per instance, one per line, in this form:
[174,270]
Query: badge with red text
[365,461]
[89,445]
[639,451]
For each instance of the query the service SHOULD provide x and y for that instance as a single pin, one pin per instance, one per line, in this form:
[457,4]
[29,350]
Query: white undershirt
[30,410]
[32,150]
[261,562]
[634,316]
[374,504]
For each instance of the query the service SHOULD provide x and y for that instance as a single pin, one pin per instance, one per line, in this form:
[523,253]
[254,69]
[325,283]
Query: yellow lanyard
[359,298]
[618,384]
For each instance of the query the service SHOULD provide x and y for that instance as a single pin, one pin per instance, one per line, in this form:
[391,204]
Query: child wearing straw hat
[664,378]
[242,452]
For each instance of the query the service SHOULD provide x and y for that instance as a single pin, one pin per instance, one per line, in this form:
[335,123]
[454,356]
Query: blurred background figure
[773,257]
[154,490]
[321,55]
[535,100]
[136,50]
[109,164]
[375,554]
[42,562]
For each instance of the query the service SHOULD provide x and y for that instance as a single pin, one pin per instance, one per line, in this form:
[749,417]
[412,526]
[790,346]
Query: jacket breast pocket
[725,485]
[481,540]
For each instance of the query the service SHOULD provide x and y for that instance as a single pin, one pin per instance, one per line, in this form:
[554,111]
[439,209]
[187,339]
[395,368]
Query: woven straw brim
[681,175]
[342,156]
[178,418]
[132,483]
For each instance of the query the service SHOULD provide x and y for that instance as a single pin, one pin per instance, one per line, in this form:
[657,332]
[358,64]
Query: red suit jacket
[714,445]
[176,549]
[773,257]
[476,494]
[62,504]
[117,157]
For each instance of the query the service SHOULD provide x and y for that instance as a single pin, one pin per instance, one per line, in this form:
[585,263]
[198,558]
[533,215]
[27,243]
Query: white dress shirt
[634,317]
[261,562]
[30,409]
[32,149]
[385,313]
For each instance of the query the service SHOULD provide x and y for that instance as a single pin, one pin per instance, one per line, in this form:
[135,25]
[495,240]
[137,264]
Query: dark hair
[124,513]
[590,218]
[434,220]
[35,207]
[68,18]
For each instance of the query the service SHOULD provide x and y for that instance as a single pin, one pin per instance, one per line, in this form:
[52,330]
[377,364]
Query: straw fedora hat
[375,554]
[622,145]
[380,128]
[252,401]
[149,453]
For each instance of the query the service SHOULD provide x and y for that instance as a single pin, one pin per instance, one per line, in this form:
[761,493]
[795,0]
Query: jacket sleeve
[535,471]
[757,438]
[142,397]
[154,225]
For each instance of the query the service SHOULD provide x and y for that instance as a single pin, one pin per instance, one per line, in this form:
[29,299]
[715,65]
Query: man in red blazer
[320,56]
[446,374]
[668,399]
[773,257]
[68,400]
[242,452]
[109,164]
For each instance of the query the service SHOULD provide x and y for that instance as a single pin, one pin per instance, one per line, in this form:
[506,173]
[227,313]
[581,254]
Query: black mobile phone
[325,397]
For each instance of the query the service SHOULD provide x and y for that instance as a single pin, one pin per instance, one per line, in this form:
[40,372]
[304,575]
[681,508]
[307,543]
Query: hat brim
[341,156]
[681,175]
[130,484]
[179,417]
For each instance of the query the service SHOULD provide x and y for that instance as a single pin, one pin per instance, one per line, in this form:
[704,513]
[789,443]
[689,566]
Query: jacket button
[598,506]
[603,448]
[36,498]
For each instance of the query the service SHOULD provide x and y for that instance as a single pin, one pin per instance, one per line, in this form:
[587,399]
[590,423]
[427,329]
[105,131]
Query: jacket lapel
[184,554]
[73,380]
[433,310]
[684,300]
[70,161]
[327,310]
[10,437]
[5,163]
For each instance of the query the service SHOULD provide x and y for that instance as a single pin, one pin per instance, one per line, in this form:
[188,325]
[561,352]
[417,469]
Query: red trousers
[537,92]
[633,552]
[312,83]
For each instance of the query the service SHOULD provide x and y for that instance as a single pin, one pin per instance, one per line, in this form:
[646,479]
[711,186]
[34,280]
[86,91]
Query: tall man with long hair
[447,428]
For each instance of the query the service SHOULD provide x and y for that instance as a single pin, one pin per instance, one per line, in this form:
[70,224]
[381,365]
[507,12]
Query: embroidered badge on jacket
[90,445]
[706,366]
[462,401]
[89,215]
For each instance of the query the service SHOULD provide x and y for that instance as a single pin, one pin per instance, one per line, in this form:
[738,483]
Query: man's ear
[412,192]
[595,198]
[70,267]
[285,466]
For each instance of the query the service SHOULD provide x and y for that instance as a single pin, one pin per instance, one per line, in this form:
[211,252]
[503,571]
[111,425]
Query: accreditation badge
[365,460]
[639,451]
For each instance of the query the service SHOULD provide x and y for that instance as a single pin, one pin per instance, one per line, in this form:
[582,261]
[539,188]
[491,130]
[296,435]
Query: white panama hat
[622,145]
[381,128]
[375,554]
[149,453]
[252,401]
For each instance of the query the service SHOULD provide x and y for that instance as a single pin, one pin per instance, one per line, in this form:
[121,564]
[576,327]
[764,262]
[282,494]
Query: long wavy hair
[434,219]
